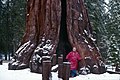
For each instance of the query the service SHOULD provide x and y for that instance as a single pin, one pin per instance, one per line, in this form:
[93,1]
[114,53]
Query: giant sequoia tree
[54,27]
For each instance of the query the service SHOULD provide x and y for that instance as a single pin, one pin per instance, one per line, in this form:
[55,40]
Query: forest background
[104,16]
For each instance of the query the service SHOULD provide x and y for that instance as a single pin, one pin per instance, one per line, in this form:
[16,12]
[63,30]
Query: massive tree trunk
[42,30]
[54,27]
[79,30]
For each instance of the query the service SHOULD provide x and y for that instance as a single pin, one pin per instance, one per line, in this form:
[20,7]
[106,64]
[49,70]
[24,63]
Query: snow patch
[80,18]
[81,15]
[93,39]
[46,48]
[90,36]
[27,14]
[23,47]
[46,57]
[54,67]
[13,59]
[36,57]
[110,68]
[95,66]
[86,32]
[43,39]
[90,47]
[37,49]
[91,50]
[22,64]
[84,71]
[88,57]
[79,34]
[93,4]
[31,46]
[86,41]
[15,63]
[66,62]
[6,74]
[97,48]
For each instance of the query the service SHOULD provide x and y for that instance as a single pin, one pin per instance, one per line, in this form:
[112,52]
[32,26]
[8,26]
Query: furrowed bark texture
[44,22]
[80,30]
[42,30]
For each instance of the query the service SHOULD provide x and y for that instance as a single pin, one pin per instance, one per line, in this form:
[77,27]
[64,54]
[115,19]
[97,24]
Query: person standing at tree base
[73,57]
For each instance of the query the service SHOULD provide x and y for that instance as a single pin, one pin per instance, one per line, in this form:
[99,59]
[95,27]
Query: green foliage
[96,11]
[113,31]
[105,19]
[12,24]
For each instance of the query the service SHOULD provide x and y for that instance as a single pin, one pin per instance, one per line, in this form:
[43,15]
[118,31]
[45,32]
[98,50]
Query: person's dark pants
[73,73]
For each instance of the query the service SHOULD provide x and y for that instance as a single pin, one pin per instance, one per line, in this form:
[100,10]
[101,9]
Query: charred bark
[55,24]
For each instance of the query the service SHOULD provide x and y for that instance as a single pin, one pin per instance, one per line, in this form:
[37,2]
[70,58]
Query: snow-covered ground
[25,74]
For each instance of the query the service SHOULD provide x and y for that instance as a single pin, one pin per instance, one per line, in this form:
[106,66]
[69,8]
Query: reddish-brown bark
[43,25]
[80,30]
[42,29]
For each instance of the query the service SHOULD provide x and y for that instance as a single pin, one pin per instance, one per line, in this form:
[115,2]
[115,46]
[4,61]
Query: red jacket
[73,58]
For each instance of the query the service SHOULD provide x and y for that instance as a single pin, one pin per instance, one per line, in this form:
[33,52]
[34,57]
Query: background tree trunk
[55,24]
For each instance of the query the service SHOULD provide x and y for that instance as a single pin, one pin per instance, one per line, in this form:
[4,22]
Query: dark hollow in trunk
[54,27]
[64,46]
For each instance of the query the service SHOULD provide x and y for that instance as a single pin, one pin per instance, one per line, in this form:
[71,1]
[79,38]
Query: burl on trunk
[54,27]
